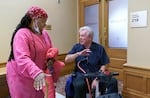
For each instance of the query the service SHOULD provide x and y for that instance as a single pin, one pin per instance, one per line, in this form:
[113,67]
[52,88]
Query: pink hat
[36,12]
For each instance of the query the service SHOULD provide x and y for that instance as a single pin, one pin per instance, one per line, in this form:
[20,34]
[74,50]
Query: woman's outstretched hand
[39,81]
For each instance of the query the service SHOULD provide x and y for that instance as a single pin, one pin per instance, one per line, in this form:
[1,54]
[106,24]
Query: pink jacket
[30,60]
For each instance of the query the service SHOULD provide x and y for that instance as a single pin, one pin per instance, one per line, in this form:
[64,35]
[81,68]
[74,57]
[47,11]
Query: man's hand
[84,52]
[94,83]
[72,57]
[103,68]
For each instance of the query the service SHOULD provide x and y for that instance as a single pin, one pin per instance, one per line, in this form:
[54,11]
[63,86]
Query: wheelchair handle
[115,73]
[99,74]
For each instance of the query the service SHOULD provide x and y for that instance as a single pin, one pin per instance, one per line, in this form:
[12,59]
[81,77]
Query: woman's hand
[39,81]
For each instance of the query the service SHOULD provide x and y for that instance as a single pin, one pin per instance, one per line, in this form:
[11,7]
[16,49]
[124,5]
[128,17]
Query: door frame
[117,56]
[82,4]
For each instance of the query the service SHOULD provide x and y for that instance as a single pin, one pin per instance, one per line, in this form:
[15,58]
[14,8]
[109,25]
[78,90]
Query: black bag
[113,95]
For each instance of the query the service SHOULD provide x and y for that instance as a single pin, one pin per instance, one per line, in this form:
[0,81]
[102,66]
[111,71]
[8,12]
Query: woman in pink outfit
[27,61]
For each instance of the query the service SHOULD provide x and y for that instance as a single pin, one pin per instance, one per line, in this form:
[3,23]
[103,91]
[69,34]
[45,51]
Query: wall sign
[138,19]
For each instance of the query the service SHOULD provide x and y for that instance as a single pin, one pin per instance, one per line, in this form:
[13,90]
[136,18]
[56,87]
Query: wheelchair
[94,93]
[104,76]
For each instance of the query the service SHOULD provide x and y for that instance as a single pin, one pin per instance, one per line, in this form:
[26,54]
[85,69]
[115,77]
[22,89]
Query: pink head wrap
[36,12]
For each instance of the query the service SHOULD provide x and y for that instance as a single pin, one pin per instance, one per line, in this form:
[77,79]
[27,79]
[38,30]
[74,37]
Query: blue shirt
[92,62]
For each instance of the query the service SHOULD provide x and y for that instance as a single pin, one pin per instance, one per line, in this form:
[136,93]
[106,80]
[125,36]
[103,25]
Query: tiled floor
[60,86]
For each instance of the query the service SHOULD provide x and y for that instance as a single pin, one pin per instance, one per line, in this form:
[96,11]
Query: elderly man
[92,58]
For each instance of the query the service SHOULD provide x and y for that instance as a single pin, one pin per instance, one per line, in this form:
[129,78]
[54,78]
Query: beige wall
[62,17]
[138,52]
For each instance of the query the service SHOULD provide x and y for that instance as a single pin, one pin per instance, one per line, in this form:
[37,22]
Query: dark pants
[80,87]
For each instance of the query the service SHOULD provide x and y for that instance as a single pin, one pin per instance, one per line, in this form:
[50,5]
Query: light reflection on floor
[59,95]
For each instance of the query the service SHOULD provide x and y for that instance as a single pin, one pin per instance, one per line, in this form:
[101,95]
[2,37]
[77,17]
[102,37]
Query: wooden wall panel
[4,91]
[120,76]
[117,53]
[68,66]
[148,86]
[117,59]
[2,65]
[67,69]
[132,95]
[117,63]
[136,81]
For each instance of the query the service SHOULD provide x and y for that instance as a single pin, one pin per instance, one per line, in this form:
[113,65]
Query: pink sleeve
[25,65]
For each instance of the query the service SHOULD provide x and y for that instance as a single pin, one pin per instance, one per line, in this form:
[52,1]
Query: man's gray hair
[87,28]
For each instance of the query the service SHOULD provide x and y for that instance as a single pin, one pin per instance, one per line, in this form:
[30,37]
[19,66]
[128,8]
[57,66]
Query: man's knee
[113,86]
[79,84]
[79,88]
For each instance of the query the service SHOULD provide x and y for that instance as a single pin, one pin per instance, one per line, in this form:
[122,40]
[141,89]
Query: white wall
[62,17]
[138,52]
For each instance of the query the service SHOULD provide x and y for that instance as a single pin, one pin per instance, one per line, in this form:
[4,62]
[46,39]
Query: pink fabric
[37,12]
[50,89]
[29,52]
[58,65]
[52,53]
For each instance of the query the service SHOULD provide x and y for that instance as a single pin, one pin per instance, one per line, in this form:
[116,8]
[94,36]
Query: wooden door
[90,14]
[117,55]
[116,24]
